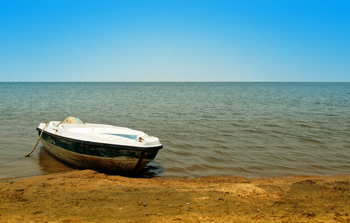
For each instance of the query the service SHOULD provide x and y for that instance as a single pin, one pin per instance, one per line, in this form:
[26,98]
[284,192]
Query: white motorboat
[98,146]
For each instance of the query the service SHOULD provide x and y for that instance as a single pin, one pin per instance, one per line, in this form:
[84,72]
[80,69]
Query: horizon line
[174,81]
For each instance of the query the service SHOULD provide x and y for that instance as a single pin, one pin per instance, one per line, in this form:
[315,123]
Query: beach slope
[89,196]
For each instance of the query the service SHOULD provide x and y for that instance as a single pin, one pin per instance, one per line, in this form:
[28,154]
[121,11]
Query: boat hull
[98,156]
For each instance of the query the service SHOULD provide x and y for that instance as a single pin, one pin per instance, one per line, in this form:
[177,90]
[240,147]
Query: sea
[208,129]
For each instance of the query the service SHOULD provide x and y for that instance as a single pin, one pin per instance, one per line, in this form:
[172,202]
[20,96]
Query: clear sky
[175,40]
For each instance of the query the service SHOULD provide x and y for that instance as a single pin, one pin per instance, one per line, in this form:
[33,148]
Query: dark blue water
[208,129]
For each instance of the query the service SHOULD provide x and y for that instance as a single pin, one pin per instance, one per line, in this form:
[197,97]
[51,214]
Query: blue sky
[174,40]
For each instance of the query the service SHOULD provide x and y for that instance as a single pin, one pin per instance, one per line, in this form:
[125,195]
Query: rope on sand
[38,139]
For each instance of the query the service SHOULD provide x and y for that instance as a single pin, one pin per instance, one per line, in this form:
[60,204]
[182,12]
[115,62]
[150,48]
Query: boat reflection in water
[48,165]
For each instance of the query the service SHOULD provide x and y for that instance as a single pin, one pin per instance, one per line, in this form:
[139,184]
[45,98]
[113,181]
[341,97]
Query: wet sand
[89,196]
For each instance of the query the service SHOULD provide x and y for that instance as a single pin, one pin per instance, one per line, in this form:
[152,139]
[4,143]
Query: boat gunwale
[112,146]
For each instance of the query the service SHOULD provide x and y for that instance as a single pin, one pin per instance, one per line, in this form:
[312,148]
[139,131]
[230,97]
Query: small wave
[305,126]
[320,167]
[310,140]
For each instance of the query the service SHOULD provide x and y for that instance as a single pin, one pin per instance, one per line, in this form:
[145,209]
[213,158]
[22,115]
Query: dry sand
[89,196]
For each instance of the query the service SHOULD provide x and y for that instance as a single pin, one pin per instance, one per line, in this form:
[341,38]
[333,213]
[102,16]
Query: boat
[98,146]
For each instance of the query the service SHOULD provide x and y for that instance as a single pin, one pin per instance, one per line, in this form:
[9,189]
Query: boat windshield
[72,120]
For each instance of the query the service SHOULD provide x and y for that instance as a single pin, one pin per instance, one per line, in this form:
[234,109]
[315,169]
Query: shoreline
[89,196]
[10,179]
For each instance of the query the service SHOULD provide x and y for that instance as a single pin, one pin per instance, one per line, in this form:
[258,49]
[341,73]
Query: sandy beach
[89,196]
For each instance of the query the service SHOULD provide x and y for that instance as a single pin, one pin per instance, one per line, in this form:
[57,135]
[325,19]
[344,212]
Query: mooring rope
[38,139]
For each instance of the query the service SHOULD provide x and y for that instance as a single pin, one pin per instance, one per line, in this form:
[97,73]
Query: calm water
[207,129]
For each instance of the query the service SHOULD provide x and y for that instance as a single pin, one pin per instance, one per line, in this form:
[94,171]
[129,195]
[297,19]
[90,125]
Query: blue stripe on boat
[134,137]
